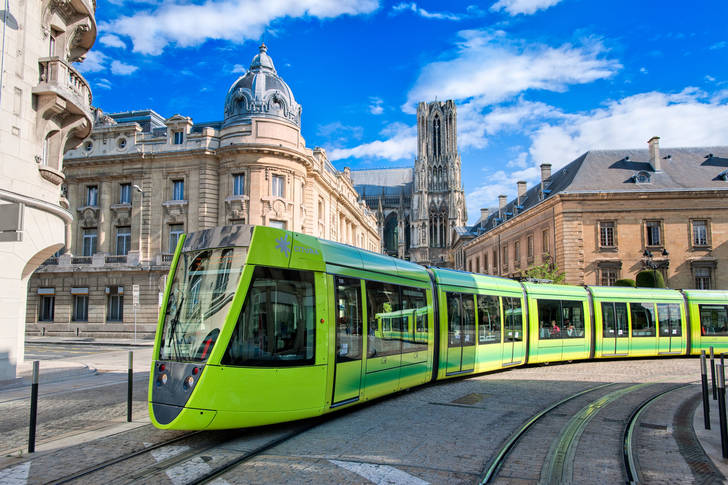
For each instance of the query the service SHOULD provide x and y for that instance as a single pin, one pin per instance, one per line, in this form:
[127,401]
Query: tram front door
[615,329]
[460,333]
[349,339]
[513,347]
[670,328]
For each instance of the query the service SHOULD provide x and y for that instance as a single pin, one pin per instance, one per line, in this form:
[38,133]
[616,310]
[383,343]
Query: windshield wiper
[174,348]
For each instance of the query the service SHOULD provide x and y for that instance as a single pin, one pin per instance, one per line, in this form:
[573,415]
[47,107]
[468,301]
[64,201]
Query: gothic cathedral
[418,209]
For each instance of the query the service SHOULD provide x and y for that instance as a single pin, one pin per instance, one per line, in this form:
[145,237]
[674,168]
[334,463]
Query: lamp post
[650,263]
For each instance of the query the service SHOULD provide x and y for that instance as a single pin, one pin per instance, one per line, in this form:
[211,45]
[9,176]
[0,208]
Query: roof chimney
[545,172]
[654,144]
[483,217]
[521,190]
[502,201]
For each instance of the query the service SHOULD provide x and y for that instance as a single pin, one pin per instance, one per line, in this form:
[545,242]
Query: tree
[546,272]
[625,282]
[650,278]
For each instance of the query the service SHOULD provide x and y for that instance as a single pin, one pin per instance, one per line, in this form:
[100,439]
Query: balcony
[81,260]
[62,89]
[115,259]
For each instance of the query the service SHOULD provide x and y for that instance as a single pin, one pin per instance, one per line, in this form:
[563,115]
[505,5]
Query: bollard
[33,407]
[721,411]
[712,373]
[130,386]
[704,379]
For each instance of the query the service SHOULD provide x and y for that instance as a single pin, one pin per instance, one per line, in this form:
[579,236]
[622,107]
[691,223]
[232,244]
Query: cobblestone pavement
[444,433]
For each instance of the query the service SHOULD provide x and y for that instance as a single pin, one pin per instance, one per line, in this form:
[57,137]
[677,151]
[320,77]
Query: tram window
[643,319]
[468,302]
[668,316]
[573,319]
[489,321]
[561,319]
[514,319]
[614,320]
[414,319]
[549,318]
[348,319]
[714,320]
[455,331]
[383,307]
[277,323]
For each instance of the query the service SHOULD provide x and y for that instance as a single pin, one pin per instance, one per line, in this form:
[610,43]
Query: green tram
[260,325]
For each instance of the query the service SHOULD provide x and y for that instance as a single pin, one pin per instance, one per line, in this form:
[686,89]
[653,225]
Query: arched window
[436,136]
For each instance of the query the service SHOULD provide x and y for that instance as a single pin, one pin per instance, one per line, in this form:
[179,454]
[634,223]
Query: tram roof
[634,293]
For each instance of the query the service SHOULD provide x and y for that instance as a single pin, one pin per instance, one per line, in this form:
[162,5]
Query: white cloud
[526,7]
[239,68]
[401,143]
[412,6]
[121,69]
[339,133]
[186,24]
[492,68]
[112,40]
[681,119]
[643,70]
[375,106]
[719,45]
[95,61]
[102,83]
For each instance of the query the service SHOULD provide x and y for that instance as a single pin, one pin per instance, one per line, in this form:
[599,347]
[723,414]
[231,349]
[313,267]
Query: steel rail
[631,463]
[511,442]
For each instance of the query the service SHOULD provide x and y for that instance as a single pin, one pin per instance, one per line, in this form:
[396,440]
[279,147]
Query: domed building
[139,180]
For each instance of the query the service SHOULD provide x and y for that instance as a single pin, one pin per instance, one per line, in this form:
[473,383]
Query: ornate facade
[140,180]
[418,208]
[45,110]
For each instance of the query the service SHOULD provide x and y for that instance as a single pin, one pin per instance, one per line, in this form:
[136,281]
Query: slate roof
[385,181]
[613,171]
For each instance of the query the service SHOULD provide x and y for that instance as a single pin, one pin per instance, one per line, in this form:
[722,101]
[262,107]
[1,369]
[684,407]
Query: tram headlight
[163,379]
[189,382]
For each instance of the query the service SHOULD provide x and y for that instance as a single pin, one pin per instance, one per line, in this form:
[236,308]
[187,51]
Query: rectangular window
[125,194]
[513,319]
[653,233]
[277,186]
[700,232]
[47,308]
[80,308]
[495,261]
[239,184]
[489,321]
[175,231]
[517,253]
[702,278]
[643,319]
[529,248]
[178,190]
[460,319]
[414,319]
[504,260]
[477,264]
[115,307]
[608,277]
[668,317]
[90,237]
[123,240]
[606,235]
[92,195]
[614,320]
[561,319]
[485,263]
[277,224]
[714,320]
[178,137]
[384,319]
[545,241]
[349,340]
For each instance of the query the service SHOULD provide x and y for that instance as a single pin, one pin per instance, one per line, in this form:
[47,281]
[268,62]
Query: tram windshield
[202,290]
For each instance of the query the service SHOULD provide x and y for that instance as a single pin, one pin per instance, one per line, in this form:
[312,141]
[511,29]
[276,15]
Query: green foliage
[547,271]
[650,279]
[625,282]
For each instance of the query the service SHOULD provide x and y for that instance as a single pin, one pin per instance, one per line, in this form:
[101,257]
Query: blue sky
[534,80]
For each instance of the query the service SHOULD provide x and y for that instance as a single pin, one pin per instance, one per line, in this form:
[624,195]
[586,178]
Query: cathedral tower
[438,199]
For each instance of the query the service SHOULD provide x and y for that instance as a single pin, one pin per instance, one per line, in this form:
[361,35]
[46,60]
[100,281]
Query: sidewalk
[53,370]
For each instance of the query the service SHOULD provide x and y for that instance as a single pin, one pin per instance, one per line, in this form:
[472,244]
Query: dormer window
[642,177]
[178,137]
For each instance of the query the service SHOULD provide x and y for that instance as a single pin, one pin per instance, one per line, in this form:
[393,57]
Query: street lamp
[648,261]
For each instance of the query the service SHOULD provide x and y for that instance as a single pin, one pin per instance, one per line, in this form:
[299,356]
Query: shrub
[650,279]
[625,282]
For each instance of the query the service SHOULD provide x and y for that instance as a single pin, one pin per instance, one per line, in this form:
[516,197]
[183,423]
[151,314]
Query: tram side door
[615,329]
[670,328]
[460,333]
[513,347]
[349,339]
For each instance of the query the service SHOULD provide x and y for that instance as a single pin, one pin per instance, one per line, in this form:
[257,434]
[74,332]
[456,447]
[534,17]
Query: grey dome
[261,93]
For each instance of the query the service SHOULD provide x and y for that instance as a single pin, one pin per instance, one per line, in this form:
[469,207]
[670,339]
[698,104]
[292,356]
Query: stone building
[610,214]
[139,181]
[418,208]
[45,109]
